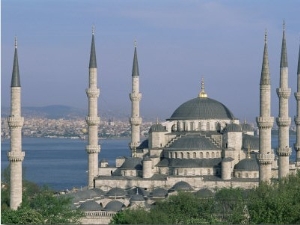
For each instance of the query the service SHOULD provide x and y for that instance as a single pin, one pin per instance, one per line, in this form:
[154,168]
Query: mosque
[200,148]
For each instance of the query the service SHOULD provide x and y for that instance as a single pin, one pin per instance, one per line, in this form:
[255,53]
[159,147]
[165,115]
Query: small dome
[159,193]
[137,198]
[233,127]
[132,163]
[202,108]
[204,193]
[157,128]
[247,127]
[250,141]
[116,192]
[90,206]
[138,190]
[114,206]
[182,186]
[248,164]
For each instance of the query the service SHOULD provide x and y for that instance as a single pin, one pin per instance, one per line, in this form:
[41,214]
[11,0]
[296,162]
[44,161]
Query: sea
[61,163]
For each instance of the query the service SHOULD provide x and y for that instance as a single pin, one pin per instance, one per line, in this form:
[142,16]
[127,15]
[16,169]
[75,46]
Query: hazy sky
[178,43]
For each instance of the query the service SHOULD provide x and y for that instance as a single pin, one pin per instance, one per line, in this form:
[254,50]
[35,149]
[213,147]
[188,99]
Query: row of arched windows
[196,126]
[194,155]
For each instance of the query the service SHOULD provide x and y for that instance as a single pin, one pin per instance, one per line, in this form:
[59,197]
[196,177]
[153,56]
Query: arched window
[185,172]
[194,155]
[218,154]
[188,155]
[201,155]
[191,126]
[181,155]
[175,155]
[207,155]
[171,155]
[213,155]
[199,126]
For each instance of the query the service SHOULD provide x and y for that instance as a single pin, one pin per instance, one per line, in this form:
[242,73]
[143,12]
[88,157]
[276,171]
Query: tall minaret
[265,121]
[15,123]
[297,118]
[283,120]
[135,98]
[93,120]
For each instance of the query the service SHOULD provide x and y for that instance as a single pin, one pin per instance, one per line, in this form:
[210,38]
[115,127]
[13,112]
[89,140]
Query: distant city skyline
[178,43]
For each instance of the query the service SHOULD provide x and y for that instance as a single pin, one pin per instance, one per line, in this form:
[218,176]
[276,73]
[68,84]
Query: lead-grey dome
[248,164]
[114,206]
[90,206]
[201,108]
[181,186]
[157,128]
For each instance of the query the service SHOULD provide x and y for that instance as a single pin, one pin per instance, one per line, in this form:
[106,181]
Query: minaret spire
[92,120]
[297,117]
[265,121]
[283,120]
[15,123]
[135,98]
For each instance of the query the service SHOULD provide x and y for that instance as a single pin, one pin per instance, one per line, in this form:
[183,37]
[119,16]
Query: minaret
[297,118]
[92,120]
[135,97]
[265,121]
[283,120]
[15,123]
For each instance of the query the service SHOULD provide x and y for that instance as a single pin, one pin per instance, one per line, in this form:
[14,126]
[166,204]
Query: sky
[178,44]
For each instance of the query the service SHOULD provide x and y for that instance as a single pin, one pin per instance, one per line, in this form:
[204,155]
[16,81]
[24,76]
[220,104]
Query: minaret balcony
[92,149]
[135,96]
[265,122]
[135,121]
[297,96]
[265,158]
[16,156]
[15,121]
[286,151]
[92,93]
[283,92]
[283,122]
[297,120]
[92,121]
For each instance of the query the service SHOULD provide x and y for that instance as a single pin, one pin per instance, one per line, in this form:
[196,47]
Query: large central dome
[202,108]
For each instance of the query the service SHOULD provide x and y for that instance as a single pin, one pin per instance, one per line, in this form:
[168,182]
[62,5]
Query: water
[62,163]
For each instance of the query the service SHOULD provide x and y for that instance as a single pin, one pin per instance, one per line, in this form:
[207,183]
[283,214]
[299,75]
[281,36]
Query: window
[207,126]
[188,155]
[181,155]
[194,155]
[207,155]
[213,155]
[201,155]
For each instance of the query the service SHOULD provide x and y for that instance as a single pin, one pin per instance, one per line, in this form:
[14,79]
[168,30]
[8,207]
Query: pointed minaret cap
[93,60]
[202,93]
[135,66]
[283,60]
[15,79]
[265,71]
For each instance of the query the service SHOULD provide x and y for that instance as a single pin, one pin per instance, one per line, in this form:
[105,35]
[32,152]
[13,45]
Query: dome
[90,206]
[159,193]
[182,186]
[202,108]
[232,127]
[157,128]
[248,164]
[246,127]
[137,198]
[132,163]
[204,193]
[114,206]
[116,192]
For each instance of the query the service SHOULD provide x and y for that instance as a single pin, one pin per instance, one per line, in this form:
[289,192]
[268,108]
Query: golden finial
[266,35]
[202,93]
[93,29]
[16,42]
[249,151]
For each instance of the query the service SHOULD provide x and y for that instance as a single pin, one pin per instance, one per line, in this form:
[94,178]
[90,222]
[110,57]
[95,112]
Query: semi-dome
[181,186]
[90,206]
[114,206]
[200,109]
[232,127]
[157,128]
[116,192]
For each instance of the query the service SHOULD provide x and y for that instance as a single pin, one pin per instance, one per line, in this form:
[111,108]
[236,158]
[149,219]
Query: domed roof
[132,163]
[90,206]
[137,198]
[233,127]
[248,164]
[116,192]
[114,206]
[157,128]
[246,127]
[159,193]
[201,108]
[204,193]
[182,186]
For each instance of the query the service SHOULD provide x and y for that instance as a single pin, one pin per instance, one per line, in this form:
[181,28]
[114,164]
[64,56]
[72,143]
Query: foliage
[39,206]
